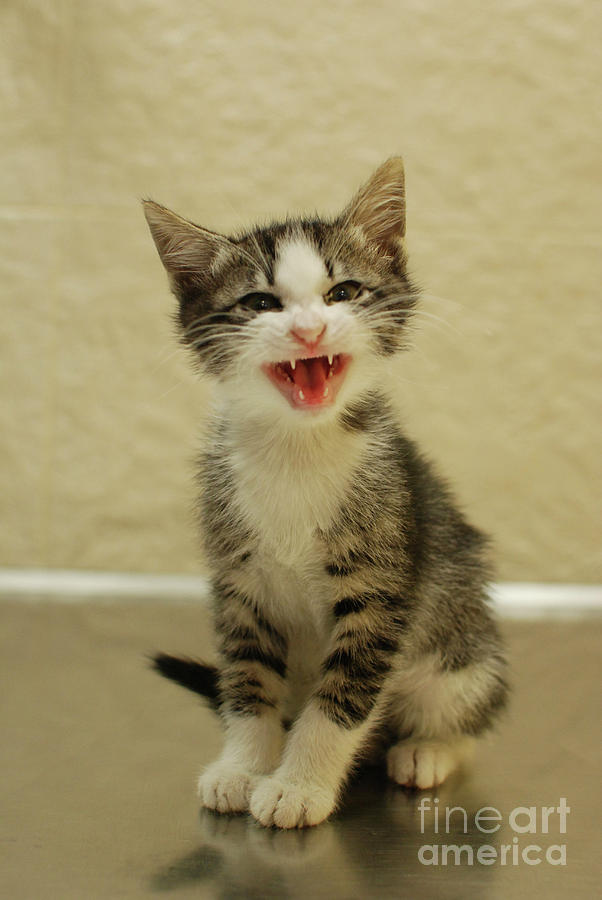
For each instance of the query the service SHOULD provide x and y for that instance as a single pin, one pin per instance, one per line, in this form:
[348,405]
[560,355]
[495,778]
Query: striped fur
[349,591]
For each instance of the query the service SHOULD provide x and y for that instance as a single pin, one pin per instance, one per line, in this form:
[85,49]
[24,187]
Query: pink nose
[309,336]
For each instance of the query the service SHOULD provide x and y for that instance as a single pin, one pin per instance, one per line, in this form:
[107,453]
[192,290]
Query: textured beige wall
[230,111]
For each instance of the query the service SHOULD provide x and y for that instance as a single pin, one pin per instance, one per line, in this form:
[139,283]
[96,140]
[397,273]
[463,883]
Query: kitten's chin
[311,384]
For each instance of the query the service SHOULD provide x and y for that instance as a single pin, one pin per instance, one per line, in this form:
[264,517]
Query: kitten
[349,592]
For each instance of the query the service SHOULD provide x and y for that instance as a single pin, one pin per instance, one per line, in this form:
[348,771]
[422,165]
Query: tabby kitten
[349,593]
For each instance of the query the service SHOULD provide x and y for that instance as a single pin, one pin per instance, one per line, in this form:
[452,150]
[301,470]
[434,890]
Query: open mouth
[309,383]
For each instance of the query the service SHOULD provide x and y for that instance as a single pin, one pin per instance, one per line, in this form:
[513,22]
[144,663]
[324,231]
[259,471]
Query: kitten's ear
[379,207]
[184,248]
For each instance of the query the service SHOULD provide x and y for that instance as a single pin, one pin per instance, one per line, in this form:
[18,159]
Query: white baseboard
[512,600]
[73,586]
[533,600]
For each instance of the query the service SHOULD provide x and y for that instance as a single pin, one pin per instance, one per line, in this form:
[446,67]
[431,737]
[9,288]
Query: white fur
[304,789]
[426,764]
[300,277]
[289,485]
[253,746]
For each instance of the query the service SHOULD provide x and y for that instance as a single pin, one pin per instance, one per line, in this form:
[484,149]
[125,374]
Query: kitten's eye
[260,302]
[346,290]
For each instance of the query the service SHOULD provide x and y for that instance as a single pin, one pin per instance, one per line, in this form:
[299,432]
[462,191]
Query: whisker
[162,361]
[213,329]
[450,301]
[204,342]
[169,391]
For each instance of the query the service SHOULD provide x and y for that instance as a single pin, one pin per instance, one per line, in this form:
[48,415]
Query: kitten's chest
[288,495]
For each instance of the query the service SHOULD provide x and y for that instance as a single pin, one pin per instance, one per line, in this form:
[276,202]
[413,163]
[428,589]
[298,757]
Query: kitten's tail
[195,676]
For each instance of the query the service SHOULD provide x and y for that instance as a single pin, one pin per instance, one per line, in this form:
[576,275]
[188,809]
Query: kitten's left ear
[379,207]
[184,248]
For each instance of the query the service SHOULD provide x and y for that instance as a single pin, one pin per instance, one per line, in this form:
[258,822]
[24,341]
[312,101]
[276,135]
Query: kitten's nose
[310,337]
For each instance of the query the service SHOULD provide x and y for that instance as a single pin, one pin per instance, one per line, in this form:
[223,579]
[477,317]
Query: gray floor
[99,758]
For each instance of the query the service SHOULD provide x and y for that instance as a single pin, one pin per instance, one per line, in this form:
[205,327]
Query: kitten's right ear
[379,207]
[184,248]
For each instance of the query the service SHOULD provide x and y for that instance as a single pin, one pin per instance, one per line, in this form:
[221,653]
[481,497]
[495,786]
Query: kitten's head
[299,316]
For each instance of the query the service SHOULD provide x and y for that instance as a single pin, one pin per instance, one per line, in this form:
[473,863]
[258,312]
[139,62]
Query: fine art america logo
[523,821]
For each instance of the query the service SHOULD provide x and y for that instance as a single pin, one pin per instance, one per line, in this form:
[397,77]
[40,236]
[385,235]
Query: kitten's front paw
[286,804]
[426,764]
[226,788]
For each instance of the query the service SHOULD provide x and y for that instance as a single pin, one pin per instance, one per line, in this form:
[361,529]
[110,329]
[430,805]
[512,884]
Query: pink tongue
[309,375]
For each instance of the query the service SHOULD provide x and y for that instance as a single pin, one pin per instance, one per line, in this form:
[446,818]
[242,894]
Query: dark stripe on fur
[240,632]
[361,668]
[354,673]
[248,702]
[243,693]
[252,653]
[224,593]
[270,630]
[348,564]
[345,710]
[349,605]
[382,643]
[339,571]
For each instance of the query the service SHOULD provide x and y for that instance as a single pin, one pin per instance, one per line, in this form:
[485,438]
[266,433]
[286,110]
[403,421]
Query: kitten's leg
[305,787]
[252,684]
[335,723]
[252,747]
[443,711]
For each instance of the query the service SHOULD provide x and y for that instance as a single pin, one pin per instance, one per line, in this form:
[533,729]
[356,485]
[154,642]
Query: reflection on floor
[99,758]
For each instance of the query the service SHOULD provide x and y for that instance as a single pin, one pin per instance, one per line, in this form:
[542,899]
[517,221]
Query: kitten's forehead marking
[300,272]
